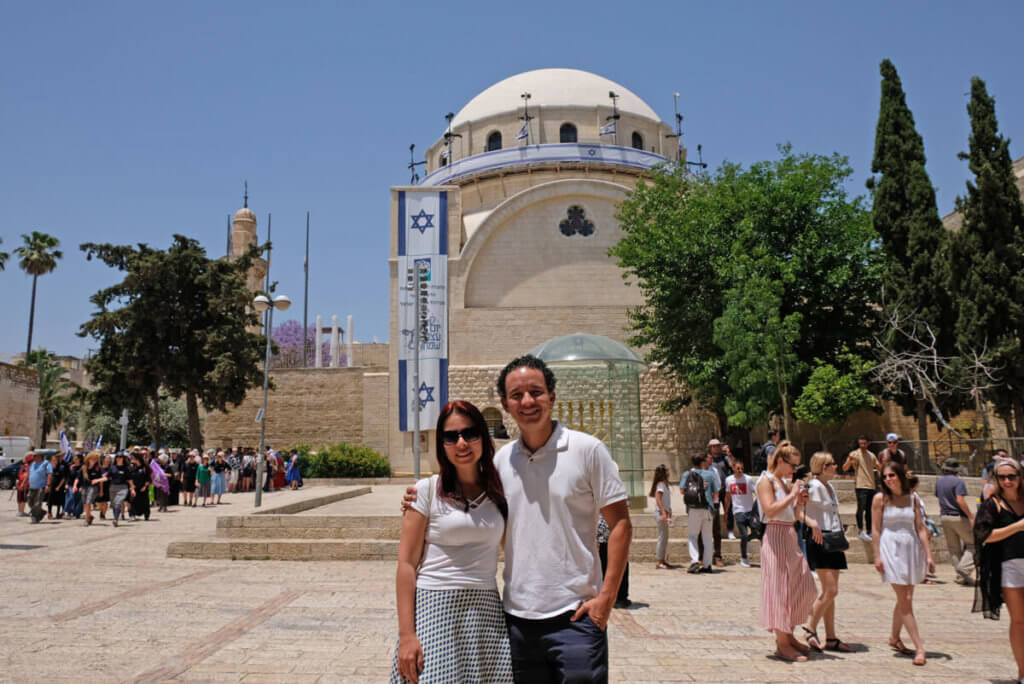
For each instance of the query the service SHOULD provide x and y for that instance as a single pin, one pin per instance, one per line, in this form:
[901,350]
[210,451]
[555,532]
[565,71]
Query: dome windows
[638,141]
[493,142]
[576,223]
[567,133]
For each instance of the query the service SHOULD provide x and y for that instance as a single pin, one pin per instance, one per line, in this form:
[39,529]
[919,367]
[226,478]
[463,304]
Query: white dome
[551,88]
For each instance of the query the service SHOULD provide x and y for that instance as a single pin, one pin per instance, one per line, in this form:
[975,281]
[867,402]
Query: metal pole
[261,459]
[124,429]
[305,304]
[416,371]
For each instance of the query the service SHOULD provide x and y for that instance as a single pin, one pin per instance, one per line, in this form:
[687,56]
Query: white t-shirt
[741,493]
[822,506]
[554,496]
[460,547]
[666,498]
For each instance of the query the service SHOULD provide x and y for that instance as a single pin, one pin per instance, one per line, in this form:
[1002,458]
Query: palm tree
[57,396]
[3,256]
[38,256]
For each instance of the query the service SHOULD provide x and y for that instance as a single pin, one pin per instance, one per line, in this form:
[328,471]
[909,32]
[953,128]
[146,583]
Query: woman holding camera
[825,550]
[787,587]
[902,551]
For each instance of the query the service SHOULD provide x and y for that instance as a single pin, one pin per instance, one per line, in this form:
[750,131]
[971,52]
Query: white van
[13,449]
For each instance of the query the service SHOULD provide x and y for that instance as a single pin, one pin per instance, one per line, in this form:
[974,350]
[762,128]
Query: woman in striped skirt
[451,626]
[787,587]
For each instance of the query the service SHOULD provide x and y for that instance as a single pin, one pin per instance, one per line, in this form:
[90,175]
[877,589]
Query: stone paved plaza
[106,605]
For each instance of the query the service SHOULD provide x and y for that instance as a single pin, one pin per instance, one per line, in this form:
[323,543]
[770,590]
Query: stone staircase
[286,535]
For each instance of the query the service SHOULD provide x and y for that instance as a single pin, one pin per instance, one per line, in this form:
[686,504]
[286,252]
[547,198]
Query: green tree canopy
[986,268]
[178,321]
[835,391]
[57,394]
[748,276]
[37,256]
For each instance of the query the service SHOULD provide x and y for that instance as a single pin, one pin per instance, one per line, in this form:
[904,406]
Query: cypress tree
[986,268]
[906,217]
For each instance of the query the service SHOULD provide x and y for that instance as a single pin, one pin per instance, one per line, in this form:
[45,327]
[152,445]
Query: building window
[442,160]
[576,223]
[638,141]
[495,425]
[567,133]
[493,141]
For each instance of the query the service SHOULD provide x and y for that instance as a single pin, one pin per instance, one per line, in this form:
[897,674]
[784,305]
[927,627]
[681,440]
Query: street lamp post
[263,303]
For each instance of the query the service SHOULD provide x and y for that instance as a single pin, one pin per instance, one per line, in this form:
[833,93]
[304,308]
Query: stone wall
[19,402]
[309,406]
[368,354]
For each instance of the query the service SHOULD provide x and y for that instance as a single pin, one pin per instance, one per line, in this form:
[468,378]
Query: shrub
[342,460]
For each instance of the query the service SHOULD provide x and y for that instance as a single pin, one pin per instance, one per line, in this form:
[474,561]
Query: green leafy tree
[57,397]
[835,391]
[906,218]
[37,256]
[986,268]
[3,256]
[762,269]
[95,420]
[182,326]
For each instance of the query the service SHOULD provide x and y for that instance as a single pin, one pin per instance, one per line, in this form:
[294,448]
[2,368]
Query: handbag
[832,541]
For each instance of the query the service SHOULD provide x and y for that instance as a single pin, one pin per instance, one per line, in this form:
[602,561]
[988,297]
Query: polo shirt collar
[558,441]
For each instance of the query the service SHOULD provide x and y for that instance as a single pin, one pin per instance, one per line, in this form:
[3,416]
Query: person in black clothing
[56,495]
[999,543]
[188,479]
[118,475]
[139,483]
[91,477]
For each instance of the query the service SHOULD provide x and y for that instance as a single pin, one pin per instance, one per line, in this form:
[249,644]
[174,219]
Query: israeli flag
[427,398]
[524,132]
[65,446]
[99,441]
[608,128]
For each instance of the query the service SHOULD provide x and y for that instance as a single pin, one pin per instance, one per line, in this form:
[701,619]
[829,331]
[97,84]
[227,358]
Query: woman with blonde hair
[787,587]
[825,550]
[999,540]
[902,551]
[662,495]
[92,477]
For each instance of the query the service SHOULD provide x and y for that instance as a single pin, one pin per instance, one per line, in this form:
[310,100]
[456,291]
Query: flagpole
[305,304]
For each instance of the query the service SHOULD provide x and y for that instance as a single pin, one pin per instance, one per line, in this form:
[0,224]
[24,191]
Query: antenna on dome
[413,164]
[449,135]
[245,196]
[524,132]
[614,116]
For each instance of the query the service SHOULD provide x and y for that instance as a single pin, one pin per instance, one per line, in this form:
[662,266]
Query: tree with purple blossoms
[289,340]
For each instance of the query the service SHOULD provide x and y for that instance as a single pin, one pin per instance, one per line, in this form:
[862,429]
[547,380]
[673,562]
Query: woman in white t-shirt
[451,626]
[662,495]
[822,516]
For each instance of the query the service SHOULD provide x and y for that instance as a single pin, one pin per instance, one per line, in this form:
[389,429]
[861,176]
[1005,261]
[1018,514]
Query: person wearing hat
[957,520]
[892,452]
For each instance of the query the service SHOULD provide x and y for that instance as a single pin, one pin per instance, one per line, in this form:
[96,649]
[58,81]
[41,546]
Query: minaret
[243,236]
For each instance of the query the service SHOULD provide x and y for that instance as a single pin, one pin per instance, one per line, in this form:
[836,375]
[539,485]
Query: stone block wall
[308,406]
[19,402]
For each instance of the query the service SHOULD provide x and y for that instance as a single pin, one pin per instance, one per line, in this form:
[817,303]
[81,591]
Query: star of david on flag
[428,392]
[427,221]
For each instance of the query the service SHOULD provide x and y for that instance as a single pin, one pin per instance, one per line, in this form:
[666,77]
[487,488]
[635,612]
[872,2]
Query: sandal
[816,644]
[920,658]
[839,645]
[899,647]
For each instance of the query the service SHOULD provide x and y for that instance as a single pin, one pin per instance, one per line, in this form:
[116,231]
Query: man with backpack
[759,464]
[699,487]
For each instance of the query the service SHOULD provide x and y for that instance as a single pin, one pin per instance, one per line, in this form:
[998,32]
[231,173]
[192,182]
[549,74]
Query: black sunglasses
[1007,476]
[470,434]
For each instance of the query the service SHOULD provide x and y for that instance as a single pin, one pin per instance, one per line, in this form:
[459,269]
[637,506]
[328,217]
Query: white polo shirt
[554,496]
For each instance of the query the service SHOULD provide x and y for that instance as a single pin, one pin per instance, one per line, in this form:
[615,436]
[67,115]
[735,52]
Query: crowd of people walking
[130,484]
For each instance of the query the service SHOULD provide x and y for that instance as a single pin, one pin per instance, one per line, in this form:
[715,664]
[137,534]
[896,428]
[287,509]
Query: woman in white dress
[902,552]
[451,626]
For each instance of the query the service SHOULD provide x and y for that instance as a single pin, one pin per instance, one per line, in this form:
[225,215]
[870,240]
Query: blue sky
[127,122]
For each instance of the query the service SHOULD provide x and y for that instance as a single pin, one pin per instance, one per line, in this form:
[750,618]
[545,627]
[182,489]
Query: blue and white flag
[524,132]
[99,441]
[65,446]
[608,128]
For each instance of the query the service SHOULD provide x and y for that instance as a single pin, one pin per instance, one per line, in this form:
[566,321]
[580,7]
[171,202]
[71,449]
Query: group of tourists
[127,484]
[547,495]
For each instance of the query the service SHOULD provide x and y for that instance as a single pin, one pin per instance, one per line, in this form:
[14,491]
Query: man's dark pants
[743,527]
[716,534]
[557,650]
[35,503]
[864,497]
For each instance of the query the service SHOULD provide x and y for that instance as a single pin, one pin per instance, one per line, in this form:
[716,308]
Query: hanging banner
[423,248]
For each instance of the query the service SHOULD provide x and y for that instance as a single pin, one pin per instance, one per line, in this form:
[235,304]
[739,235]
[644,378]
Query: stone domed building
[525,183]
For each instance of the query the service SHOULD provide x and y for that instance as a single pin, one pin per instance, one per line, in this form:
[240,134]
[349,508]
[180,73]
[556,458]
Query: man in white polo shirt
[556,480]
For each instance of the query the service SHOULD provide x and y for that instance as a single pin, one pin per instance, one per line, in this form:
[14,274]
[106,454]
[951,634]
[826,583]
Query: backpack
[760,461]
[694,493]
